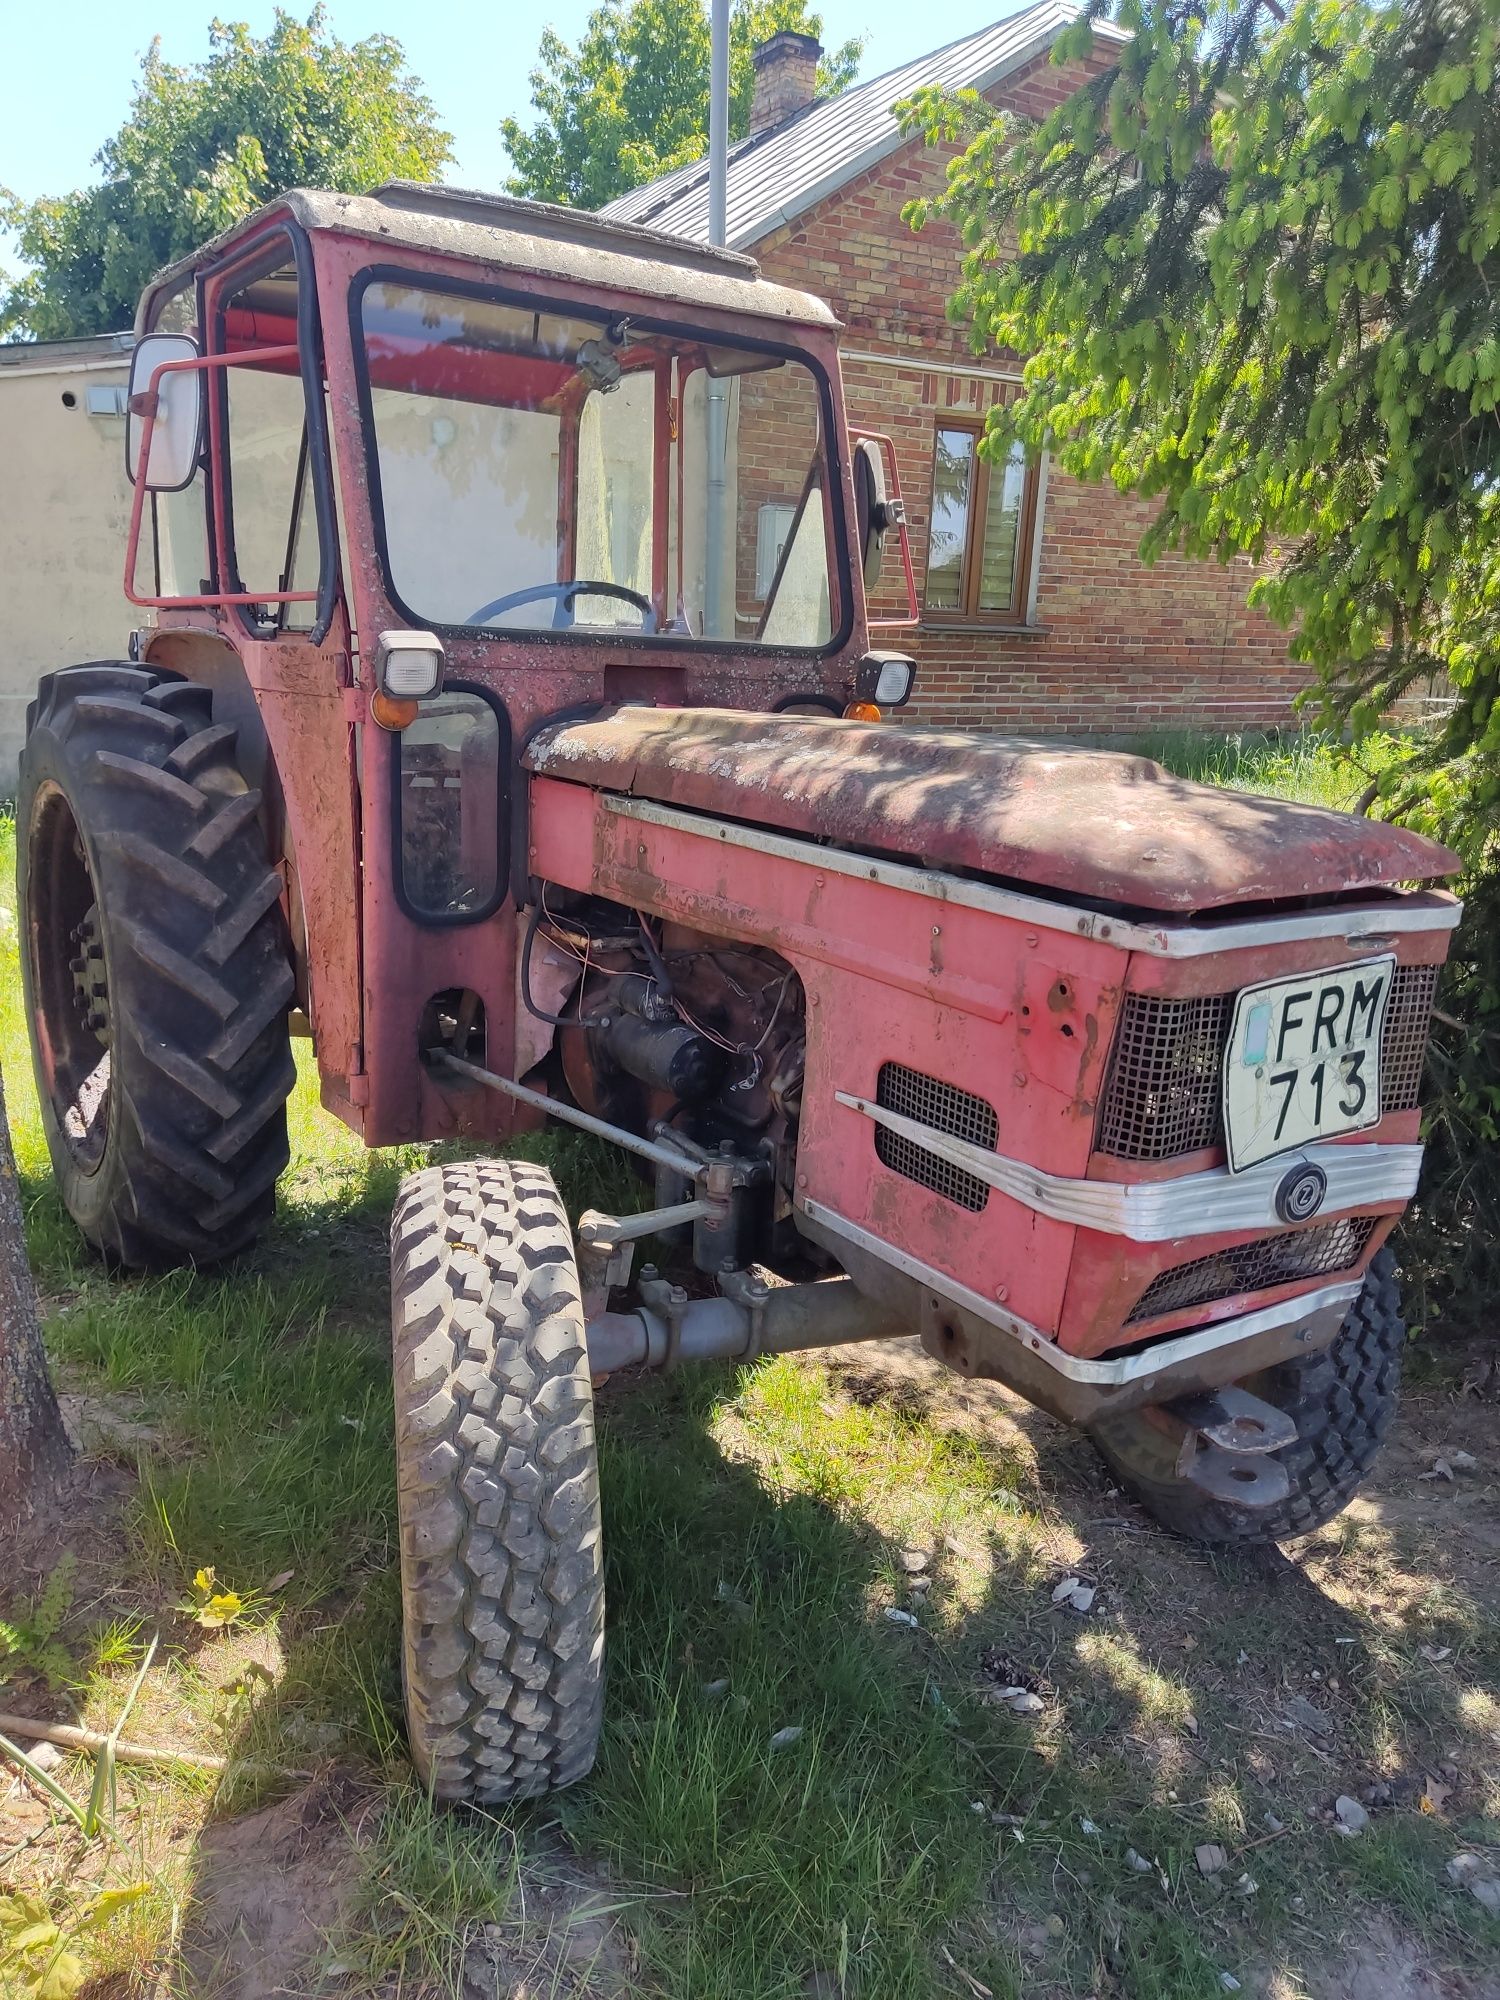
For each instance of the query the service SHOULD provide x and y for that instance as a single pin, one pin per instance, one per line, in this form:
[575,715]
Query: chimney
[786,77]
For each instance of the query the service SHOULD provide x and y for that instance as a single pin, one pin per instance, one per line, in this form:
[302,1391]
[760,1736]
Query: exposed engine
[669,1026]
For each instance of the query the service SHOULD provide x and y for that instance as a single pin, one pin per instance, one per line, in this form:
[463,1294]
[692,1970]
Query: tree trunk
[34,1449]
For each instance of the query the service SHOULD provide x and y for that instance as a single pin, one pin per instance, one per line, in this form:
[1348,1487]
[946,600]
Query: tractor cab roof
[532,239]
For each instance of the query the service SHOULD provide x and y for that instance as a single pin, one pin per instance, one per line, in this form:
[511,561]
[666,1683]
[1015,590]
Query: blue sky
[71,68]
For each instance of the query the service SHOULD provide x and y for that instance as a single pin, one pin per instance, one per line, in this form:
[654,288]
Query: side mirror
[176,435]
[876,513]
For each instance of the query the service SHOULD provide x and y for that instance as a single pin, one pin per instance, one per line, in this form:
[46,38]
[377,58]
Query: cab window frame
[540,300]
[222,279]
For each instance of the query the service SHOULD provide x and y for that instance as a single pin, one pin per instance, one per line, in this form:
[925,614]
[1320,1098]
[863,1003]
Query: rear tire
[1342,1401]
[156,968]
[502,1577]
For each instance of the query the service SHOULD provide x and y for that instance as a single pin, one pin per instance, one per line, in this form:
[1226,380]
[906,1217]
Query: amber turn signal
[390,713]
[861,711]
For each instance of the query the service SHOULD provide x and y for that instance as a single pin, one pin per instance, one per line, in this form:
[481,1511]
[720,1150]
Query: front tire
[502,1577]
[156,968]
[1342,1402]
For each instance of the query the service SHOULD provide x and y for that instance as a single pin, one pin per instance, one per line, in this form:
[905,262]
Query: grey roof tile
[778,174]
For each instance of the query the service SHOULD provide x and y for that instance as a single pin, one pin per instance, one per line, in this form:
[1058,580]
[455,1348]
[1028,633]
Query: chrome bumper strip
[1160,1358]
[1205,1204]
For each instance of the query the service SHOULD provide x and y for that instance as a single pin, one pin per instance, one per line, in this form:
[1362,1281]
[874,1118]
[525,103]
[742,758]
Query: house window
[979,544]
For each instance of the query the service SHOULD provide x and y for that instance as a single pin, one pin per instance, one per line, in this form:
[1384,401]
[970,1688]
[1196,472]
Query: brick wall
[1115,646]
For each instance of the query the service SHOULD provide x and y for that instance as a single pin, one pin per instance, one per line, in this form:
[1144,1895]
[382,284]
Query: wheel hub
[90,986]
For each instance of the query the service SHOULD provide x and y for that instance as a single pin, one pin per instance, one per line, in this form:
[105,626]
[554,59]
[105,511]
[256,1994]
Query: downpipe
[748,1319]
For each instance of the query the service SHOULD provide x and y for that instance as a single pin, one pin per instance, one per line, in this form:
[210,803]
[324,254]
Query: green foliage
[36,1962]
[204,146]
[28,1638]
[1253,263]
[631,101]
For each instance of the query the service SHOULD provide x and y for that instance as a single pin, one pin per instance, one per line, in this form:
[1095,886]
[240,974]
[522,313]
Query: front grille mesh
[1253,1267]
[930,1101]
[1403,1053]
[1163,1097]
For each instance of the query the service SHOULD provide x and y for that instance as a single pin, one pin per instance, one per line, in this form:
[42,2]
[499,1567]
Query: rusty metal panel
[1094,824]
[979,1001]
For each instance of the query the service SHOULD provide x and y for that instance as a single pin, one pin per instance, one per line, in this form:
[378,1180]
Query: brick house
[1037,612]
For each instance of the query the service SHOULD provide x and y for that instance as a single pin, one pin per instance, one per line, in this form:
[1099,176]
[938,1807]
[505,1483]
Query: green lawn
[913,1840]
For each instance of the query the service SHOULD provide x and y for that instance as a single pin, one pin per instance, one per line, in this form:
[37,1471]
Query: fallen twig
[92,1741]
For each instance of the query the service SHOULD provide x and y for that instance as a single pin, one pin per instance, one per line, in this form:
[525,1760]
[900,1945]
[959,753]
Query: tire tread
[1342,1401]
[199,970]
[498,1488]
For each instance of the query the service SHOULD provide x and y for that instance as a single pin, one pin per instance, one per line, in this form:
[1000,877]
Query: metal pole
[718,122]
[715,401]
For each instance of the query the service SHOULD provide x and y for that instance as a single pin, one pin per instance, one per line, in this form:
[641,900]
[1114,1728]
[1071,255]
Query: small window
[448,782]
[979,543]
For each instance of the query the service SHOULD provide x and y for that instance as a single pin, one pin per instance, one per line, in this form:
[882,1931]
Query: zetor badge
[479,727]
[1303,1060]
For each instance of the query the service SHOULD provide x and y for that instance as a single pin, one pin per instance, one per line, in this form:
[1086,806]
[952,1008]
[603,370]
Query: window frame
[537,298]
[967,611]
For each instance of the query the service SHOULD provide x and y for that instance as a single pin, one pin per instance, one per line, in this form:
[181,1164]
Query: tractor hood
[1094,824]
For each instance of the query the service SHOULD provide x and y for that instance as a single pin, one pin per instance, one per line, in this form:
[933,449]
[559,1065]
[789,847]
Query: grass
[914,1839]
[1312,768]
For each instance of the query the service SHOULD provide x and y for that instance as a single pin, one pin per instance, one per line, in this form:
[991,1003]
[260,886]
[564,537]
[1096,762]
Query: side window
[271,509]
[448,808]
[182,540]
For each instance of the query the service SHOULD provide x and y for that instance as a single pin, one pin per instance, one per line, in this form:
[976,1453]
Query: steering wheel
[564,595]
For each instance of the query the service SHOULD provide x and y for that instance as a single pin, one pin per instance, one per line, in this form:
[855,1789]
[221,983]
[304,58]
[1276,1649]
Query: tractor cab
[447,465]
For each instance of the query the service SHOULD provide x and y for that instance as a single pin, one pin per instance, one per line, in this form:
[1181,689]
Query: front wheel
[502,1575]
[1341,1400]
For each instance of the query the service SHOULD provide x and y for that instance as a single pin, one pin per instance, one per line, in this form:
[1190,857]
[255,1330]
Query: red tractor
[506,718]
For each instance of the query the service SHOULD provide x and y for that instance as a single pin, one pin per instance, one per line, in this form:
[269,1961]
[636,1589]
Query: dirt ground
[1407,1534]
[268,1891]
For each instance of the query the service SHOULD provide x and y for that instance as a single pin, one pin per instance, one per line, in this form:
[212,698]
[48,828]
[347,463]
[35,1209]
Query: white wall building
[64,510]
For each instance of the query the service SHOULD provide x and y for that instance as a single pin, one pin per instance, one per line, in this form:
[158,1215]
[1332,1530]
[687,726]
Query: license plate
[1303,1060]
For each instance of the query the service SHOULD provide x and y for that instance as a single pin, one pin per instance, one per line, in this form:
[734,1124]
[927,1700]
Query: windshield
[542,471]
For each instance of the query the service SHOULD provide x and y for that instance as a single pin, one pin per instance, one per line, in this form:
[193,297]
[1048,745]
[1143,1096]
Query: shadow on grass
[913,1837]
[745,1547]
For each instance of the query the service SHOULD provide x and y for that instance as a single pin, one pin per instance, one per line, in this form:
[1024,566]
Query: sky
[71,69]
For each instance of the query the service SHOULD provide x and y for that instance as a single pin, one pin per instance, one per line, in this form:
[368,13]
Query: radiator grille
[1162,1097]
[1254,1267]
[1403,1053]
[930,1101]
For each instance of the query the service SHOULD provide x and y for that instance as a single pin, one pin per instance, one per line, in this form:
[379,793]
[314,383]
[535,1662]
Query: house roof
[776,175]
[90,350]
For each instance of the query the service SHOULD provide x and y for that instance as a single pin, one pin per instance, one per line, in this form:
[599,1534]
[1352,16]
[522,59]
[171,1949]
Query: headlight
[886,679]
[409,665]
